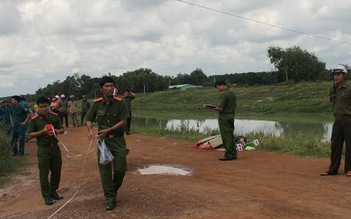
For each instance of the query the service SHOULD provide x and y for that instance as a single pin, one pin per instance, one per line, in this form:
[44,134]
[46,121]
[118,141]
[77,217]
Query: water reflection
[243,126]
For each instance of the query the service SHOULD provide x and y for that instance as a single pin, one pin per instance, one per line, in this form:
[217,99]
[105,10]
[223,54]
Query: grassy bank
[281,103]
[302,98]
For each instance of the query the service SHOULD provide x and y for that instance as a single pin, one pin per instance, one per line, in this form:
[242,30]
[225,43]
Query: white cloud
[47,40]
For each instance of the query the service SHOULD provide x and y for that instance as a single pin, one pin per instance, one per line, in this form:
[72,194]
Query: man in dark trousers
[19,117]
[44,126]
[226,113]
[85,108]
[63,111]
[111,115]
[128,96]
[340,96]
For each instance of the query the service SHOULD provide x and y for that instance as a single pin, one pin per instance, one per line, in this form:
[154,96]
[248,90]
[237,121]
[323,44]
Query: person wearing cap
[44,126]
[19,117]
[111,115]
[73,110]
[128,96]
[340,96]
[226,113]
[63,114]
[85,108]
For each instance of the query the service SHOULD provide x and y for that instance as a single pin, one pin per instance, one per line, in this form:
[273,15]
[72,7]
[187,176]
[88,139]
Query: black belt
[50,145]
[115,135]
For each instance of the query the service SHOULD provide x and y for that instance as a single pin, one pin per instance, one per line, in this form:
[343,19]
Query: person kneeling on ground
[45,126]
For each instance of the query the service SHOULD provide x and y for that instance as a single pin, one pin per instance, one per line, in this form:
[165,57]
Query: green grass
[298,144]
[296,102]
[255,100]
[9,165]
[289,102]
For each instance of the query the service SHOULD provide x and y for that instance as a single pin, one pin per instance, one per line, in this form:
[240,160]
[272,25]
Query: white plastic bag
[105,154]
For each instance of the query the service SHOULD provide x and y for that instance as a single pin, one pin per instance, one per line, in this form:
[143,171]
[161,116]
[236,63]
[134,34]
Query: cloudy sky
[43,41]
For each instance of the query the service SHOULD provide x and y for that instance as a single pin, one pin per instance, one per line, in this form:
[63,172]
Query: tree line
[291,65]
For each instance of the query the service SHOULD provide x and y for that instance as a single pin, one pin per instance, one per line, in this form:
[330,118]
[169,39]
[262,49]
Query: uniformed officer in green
[111,115]
[45,126]
[128,96]
[226,114]
[340,96]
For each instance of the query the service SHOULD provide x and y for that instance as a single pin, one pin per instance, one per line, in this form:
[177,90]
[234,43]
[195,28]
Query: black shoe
[48,202]
[56,196]
[127,151]
[110,206]
[328,173]
[226,158]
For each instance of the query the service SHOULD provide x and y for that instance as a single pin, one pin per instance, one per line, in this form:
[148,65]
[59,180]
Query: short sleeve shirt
[63,105]
[107,115]
[342,104]
[227,101]
[38,123]
[19,114]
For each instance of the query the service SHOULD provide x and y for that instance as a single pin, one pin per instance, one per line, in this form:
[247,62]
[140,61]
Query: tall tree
[295,64]
[197,77]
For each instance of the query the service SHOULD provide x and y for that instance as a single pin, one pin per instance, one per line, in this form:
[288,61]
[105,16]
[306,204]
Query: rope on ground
[66,149]
[79,181]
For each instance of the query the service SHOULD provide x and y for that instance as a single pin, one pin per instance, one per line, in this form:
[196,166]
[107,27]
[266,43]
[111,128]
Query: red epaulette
[117,98]
[54,113]
[98,100]
[34,117]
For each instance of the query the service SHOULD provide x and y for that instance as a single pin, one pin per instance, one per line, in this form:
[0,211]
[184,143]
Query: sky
[43,41]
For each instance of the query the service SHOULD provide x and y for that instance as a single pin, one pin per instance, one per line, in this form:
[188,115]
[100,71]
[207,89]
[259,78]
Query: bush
[5,151]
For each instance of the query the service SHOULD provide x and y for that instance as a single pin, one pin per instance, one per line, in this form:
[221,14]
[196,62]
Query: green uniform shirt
[341,98]
[38,123]
[63,105]
[227,101]
[107,115]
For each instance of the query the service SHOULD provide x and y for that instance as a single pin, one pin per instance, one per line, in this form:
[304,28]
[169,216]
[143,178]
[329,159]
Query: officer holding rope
[111,115]
[45,126]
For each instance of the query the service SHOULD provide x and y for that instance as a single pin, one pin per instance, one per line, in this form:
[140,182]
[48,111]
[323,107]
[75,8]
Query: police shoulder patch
[34,117]
[117,98]
[98,100]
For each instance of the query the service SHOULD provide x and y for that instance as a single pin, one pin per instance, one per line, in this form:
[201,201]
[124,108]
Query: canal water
[321,130]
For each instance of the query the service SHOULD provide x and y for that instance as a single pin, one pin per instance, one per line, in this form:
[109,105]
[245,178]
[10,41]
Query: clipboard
[210,106]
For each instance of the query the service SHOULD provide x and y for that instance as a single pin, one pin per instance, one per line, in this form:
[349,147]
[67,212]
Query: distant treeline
[292,65]
[145,80]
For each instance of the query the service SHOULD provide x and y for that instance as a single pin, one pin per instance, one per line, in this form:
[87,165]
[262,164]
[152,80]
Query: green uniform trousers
[341,133]
[49,160]
[226,127]
[112,174]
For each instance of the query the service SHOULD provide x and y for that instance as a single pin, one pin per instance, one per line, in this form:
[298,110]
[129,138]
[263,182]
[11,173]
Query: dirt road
[257,185]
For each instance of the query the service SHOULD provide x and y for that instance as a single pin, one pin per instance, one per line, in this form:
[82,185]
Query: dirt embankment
[257,185]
